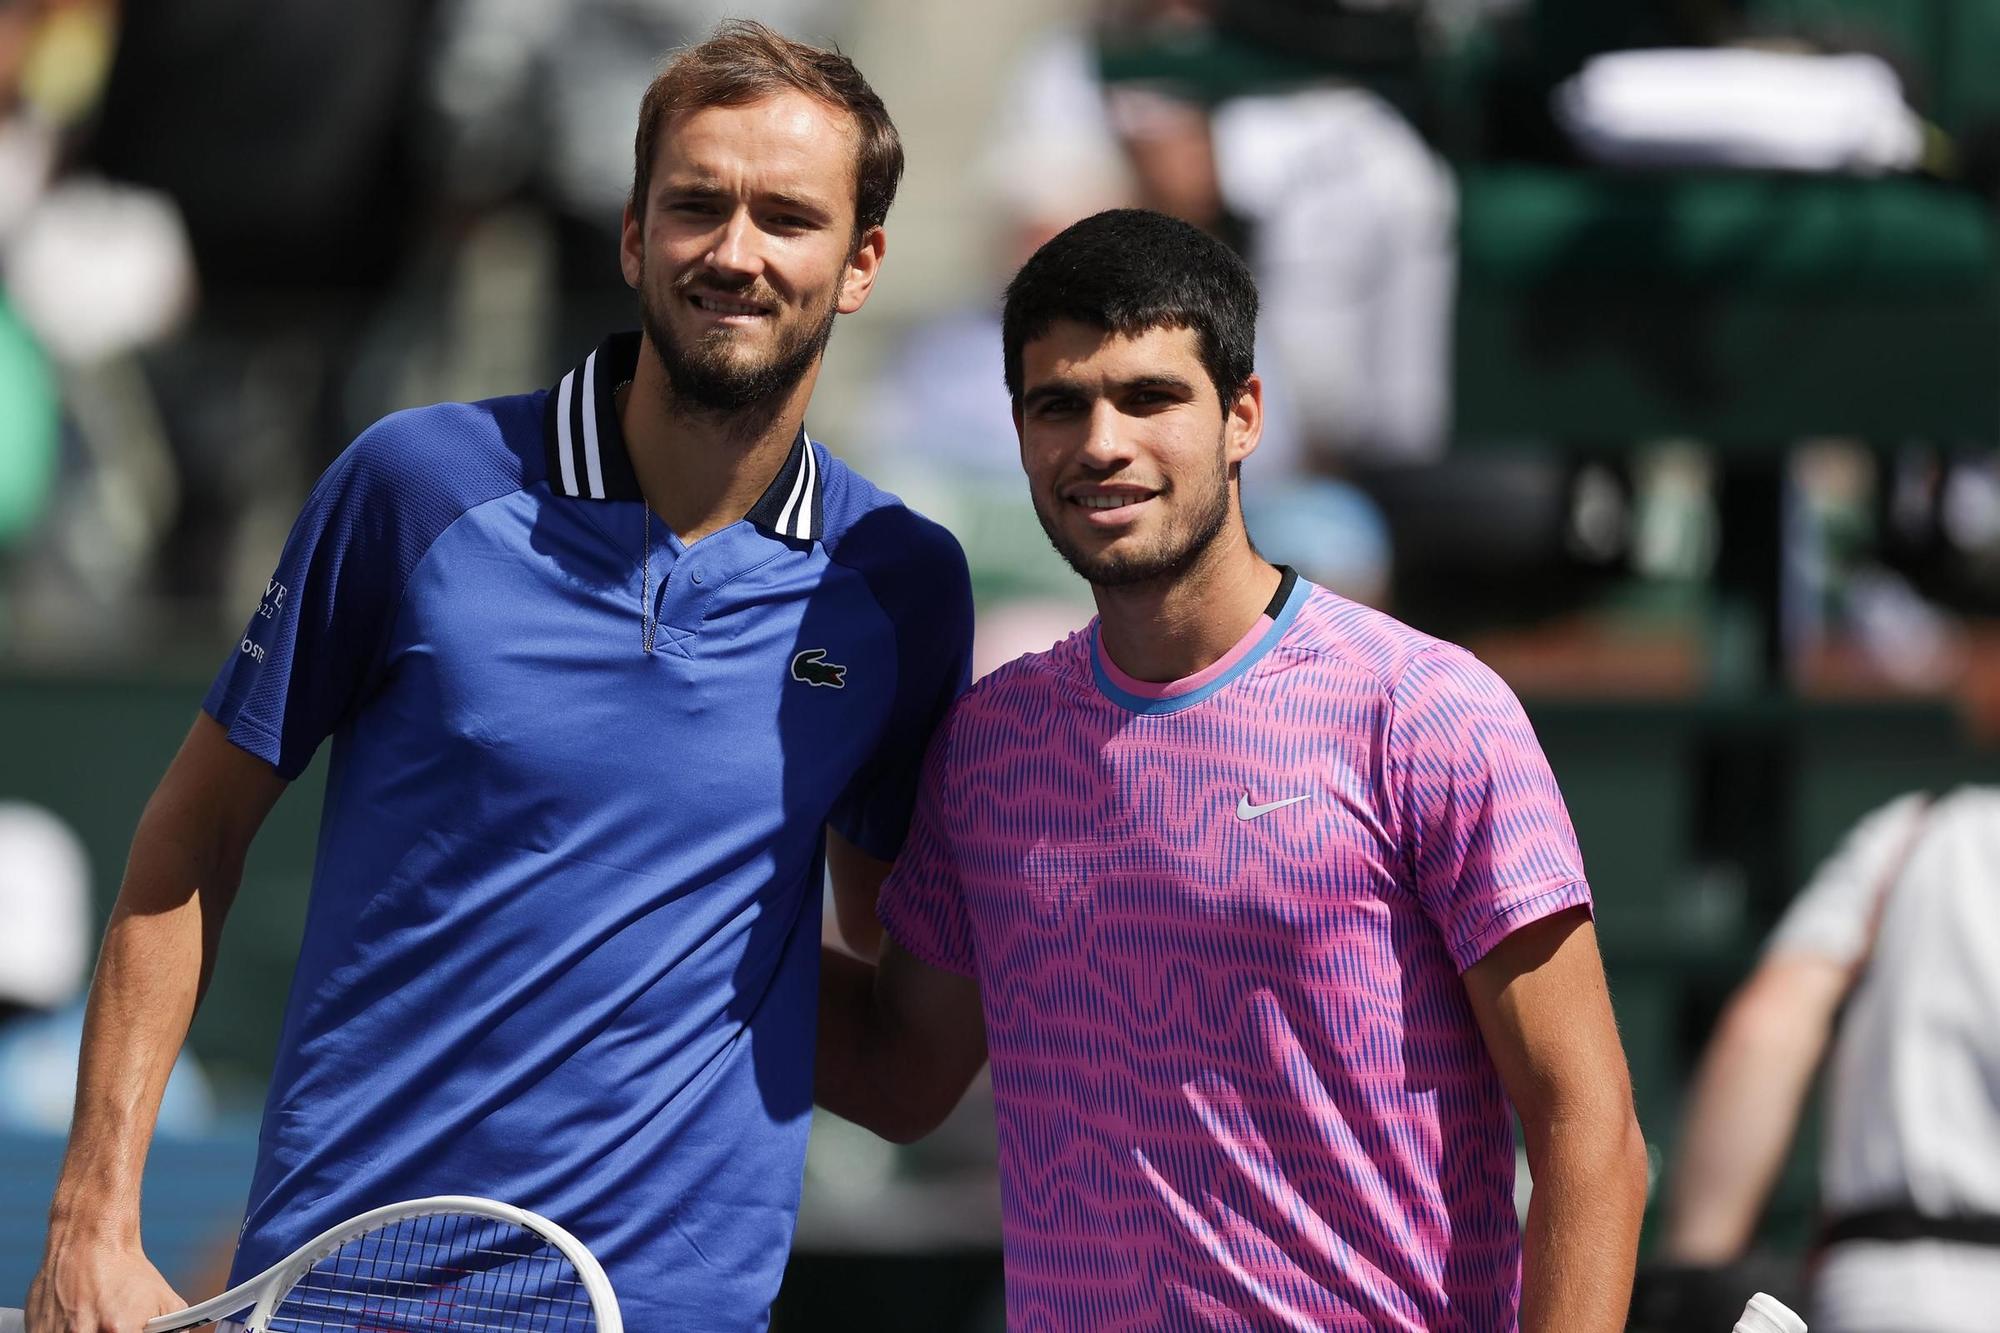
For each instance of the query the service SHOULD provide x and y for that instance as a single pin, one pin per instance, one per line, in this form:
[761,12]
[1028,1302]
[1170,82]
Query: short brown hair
[745,61]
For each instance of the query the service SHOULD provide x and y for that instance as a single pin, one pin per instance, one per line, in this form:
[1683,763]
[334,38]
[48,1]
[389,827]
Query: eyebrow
[1069,388]
[1050,390]
[798,203]
[705,188]
[1162,381]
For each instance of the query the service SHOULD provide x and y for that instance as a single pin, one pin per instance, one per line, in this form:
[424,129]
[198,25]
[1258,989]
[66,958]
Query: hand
[95,1285]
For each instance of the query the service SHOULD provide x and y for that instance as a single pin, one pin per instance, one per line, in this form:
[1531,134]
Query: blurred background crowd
[1649,347]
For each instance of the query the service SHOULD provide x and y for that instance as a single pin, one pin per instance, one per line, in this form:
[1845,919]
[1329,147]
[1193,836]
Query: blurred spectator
[27,394]
[44,954]
[941,404]
[283,133]
[1345,215]
[27,425]
[1890,960]
[939,426]
[1940,524]
[1848,613]
[279,131]
[1349,222]
[92,272]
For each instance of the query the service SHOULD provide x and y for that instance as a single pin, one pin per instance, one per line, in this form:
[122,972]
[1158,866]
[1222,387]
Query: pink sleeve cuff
[913,943]
[1576,893]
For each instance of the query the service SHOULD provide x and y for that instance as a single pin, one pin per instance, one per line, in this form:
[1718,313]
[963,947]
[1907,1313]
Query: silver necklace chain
[648,621]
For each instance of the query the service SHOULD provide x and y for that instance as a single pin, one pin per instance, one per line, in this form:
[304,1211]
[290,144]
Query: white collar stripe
[565,447]
[592,460]
[586,456]
[801,484]
[812,489]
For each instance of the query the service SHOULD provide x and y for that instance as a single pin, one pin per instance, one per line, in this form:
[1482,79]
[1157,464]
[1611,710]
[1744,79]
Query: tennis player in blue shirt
[611,671]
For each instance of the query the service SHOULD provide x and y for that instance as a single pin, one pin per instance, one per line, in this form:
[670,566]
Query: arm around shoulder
[899,1041]
[901,1033]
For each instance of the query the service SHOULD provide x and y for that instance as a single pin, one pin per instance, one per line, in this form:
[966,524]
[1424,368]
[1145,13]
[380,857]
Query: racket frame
[262,1294]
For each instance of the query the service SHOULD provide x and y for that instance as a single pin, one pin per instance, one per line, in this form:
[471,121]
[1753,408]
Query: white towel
[1744,109]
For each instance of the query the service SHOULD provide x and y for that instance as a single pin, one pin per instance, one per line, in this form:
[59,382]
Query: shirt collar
[588,459]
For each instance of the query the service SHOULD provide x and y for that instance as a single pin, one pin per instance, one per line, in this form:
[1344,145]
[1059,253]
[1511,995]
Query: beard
[1179,548]
[708,373]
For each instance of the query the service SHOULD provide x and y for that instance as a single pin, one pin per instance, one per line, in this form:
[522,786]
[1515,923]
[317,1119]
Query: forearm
[848,1079]
[898,1042]
[157,955]
[1742,1110]
[1543,1008]
[1582,1237]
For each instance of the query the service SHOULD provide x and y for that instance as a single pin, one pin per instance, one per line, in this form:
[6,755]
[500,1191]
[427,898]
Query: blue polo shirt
[562,944]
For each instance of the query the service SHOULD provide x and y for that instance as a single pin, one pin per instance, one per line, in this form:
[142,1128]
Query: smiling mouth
[719,305]
[1111,500]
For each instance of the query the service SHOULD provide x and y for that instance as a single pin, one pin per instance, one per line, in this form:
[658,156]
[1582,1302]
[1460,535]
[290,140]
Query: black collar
[1288,579]
[588,459]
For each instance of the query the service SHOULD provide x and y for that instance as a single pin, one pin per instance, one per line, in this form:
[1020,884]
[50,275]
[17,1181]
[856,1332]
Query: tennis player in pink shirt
[1269,904]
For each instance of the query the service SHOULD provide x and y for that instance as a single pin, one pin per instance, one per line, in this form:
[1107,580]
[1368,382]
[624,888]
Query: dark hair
[1130,270]
[745,61]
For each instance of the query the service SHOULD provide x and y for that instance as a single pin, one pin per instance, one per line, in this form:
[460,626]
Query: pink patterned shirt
[1218,930]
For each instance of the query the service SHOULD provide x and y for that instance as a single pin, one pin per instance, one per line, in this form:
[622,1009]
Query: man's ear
[1243,428]
[862,266]
[631,246]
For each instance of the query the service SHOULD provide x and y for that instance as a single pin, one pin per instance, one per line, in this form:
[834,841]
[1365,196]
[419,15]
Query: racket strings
[439,1273]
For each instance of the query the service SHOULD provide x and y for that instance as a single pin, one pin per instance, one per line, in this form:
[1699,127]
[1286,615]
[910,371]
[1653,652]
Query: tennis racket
[445,1265]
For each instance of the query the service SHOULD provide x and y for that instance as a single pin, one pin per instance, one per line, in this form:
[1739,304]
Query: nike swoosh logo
[1245,810]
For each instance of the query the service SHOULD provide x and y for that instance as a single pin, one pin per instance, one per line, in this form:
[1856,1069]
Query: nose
[735,252]
[1105,447]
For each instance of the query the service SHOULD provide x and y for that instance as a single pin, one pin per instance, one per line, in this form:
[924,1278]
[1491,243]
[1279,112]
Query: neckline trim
[1279,614]
[589,460]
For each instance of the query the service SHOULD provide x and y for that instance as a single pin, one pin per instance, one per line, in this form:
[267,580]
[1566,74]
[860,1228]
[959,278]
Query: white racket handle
[1764,1314]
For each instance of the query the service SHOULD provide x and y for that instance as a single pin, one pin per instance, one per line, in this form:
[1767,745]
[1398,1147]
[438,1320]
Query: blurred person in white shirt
[1887,969]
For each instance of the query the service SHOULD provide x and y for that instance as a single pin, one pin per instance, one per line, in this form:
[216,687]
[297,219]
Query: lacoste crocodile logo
[812,667]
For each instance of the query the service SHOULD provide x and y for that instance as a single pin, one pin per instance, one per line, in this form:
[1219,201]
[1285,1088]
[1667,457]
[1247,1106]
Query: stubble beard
[708,375]
[1178,550]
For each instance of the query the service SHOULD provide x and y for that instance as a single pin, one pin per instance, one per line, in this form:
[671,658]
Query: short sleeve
[314,641]
[1832,917]
[924,589]
[922,904]
[1487,840]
